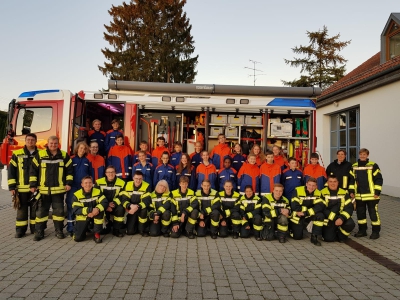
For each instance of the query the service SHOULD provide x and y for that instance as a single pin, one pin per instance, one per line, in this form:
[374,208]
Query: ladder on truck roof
[195,97]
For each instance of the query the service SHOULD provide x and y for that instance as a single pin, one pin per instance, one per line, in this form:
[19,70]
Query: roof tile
[364,71]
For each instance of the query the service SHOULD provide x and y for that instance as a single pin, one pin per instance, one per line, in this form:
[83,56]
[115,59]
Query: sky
[47,44]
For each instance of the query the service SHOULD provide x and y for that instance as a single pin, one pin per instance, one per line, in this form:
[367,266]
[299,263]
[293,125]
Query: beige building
[362,110]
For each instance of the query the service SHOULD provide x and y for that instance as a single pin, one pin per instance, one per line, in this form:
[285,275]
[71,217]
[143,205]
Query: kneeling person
[186,209]
[210,206]
[250,211]
[276,211]
[132,200]
[338,211]
[230,216]
[160,208]
[88,205]
[307,206]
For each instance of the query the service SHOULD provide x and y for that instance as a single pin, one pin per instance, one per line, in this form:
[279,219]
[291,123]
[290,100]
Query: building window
[393,41]
[345,133]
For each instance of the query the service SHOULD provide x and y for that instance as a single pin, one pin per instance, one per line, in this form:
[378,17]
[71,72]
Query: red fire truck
[283,116]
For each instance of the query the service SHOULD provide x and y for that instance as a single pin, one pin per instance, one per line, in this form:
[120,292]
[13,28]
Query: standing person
[112,134]
[159,210]
[97,161]
[279,159]
[260,157]
[250,211]
[206,170]
[176,156]
[230,208]
[133,193]
[276,212]
[145,148]
[340,168]
[366,185]
[238,158]
[165,171]
[98,136]
[316,171]
[82,168]
[52,173]
[338,211]
[18,183]
[219,152]
[145,167]
[210,206]
[307,206]
[270,174]
[195,157]
[186,207]
[158,151]
[120,157]
[111,186]
[249,174]
[291,178]
[185,168]
[89,205]
[227,173]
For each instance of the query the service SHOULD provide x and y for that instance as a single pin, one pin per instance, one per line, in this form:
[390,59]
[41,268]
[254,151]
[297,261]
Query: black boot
[60,234]
[39,235]
[361,233]
[19,235]
[374,235]
[314,240]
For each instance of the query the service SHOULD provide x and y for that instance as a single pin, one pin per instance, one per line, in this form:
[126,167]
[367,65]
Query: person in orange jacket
[158,151]
[316,171]
[220,151]
[270,174]
[279,159]
[120,156]
[98,163]
[249,174]
[206,170]
[259,155]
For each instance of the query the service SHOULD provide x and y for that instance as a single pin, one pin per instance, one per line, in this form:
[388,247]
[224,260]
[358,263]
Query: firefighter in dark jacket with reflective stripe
[133,193]
[365,186]
[307,206]
[250,211]
[159,210]
[51,171]
[89,205]
[340,168]
[186,207]
[210,206]
[111,186]
[276,212]
[338,223]
[230,211]
[18,182]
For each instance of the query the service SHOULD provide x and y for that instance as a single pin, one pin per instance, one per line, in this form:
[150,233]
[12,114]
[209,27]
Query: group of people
[161,193]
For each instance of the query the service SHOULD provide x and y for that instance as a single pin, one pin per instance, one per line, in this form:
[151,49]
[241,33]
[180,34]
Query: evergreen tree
[151,41]
[322,63]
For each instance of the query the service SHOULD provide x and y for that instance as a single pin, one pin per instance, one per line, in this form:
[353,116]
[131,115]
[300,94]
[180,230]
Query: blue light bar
[32,94]
[292,102]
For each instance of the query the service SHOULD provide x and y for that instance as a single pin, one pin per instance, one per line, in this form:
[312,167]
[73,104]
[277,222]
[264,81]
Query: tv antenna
[254,70]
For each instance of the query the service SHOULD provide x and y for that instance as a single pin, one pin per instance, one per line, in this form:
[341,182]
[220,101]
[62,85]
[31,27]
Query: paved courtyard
[135,267]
